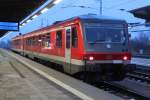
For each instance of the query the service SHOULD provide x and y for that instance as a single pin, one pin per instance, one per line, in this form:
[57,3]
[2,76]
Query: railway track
[121,91]
[129,92]
[139,76]
[141,73]
[145,69]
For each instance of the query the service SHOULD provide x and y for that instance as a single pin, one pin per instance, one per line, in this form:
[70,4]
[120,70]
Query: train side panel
[17,44]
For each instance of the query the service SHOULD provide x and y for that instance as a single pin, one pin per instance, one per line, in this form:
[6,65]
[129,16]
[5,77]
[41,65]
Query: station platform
[23,79]
[141,61]
[19,83]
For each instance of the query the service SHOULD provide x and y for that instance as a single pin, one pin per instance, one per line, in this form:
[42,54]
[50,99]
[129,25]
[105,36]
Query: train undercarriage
[105,72]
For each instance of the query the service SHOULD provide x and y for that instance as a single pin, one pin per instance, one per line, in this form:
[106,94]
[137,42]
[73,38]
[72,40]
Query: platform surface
[19,83]
[141,61]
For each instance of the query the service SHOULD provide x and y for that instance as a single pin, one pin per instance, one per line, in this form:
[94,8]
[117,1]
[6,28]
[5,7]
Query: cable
[119,4]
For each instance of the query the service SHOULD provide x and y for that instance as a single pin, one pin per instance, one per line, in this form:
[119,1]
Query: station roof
[17,10]
[143,12]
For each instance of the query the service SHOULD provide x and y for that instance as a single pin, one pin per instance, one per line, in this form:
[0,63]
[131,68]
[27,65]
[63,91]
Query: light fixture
[28,20]
[44,10]
[35,16]
[125,58]
[23,24]
[91,58]
[57,1]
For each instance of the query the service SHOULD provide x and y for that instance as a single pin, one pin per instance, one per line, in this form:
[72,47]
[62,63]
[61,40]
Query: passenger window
[59,39]
[26,41]
[30,41]
[33,41]
[48,40]
[36,41]
[17,42]
[43,38]
[68,31]
[40,40]
[74,37]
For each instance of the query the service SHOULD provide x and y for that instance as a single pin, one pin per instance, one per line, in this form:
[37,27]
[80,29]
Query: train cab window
[74,37]
[59,39]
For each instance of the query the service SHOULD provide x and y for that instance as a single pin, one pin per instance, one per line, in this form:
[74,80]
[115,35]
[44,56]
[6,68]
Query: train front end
[107,50]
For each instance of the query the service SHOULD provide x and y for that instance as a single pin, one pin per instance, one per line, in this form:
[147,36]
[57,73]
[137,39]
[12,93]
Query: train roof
[98,18]
[85,19]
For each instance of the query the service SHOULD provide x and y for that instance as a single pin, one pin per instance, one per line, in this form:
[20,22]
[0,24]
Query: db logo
[109,57]
[108,46]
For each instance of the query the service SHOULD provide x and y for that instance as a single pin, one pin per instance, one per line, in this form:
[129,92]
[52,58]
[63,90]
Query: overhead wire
[119,4]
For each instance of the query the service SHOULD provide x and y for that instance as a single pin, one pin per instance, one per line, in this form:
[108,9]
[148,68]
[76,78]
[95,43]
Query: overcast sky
[66,9]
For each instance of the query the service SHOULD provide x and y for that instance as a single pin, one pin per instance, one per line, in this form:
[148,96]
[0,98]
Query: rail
[119,89]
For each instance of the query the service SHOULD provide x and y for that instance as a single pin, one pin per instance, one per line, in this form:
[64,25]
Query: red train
[89,44]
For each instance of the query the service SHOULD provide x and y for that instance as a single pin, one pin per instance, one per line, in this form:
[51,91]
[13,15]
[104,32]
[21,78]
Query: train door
[68,48]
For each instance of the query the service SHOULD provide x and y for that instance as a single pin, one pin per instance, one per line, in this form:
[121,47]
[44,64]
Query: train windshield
[104,33]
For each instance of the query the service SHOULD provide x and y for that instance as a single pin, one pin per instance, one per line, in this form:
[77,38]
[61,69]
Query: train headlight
[125,58]
[91,58]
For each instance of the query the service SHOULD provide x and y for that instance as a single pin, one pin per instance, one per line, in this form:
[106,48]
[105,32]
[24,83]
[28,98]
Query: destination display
[9,26]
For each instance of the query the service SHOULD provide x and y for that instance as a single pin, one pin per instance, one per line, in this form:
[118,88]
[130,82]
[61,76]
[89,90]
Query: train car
[17,44]
[94,45]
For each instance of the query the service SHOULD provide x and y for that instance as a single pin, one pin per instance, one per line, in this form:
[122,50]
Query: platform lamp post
[101,7]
